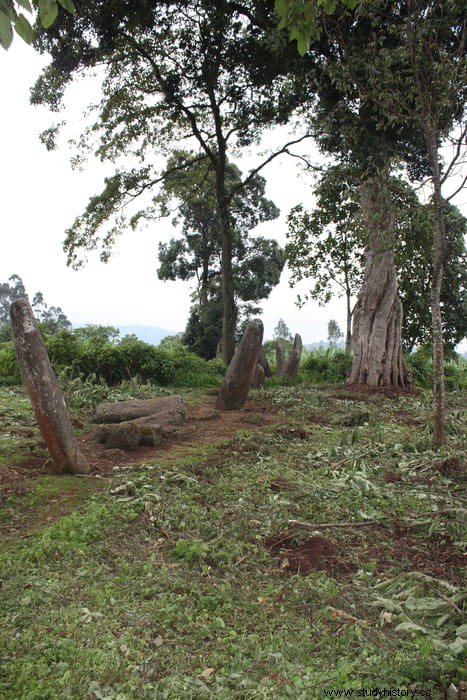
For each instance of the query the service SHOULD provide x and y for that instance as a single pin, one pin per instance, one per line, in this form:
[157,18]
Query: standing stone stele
[240,372]
[44,392]
[293,362]
[258,377]
[263,361]
[280,359]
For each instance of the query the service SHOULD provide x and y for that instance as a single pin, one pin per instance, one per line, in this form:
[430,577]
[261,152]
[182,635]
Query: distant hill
[149,334]
[323,344]
[315,345]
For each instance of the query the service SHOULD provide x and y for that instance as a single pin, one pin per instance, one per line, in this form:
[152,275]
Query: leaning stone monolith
[44,392]
[240,372]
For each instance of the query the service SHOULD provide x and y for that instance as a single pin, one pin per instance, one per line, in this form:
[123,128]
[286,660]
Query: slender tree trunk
[377,316]
[203,287]
[348,328]
[439,238]
[229,315]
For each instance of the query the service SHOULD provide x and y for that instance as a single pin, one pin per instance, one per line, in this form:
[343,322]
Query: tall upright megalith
[293,362]
[240,372]
[288,367]
[44,392]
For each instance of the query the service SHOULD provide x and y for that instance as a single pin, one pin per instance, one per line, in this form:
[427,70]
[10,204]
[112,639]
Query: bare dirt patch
[205,425]
[302,555]
[360,392]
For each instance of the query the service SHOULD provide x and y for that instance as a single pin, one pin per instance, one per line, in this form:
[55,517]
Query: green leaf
[68,5]
[282,8]
[7,8]
[24,29]
[48,10]
[6,32]
[458,646]
[303,44]
[25,4]
[329,6]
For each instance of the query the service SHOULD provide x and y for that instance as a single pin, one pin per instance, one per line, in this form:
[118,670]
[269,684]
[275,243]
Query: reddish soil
[434,556]
[299,555]
[359,392]
[205,425]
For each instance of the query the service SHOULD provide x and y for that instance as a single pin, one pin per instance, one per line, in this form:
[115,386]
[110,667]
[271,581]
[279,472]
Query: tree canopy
[51,318]
[257,262]
[326,245]
[174,73]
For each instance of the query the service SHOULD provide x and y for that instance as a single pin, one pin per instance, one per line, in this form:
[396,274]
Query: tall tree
[326,244]
[355,130]
[51,318]
[417,81]
[436,34]
[10,291]
[414,261]
[173,72]
[256,261]
[334,333]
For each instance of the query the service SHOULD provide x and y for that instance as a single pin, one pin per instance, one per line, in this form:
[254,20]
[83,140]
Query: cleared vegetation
[184,577]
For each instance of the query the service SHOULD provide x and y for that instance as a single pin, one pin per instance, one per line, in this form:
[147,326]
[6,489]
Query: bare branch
[268,160]
[448,199]
[460,145]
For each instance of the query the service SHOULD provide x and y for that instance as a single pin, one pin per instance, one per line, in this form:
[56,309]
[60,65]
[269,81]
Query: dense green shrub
[455,374]
[114,363]
[327,366]
[62,347]
[9,370]
[77,355]
[194,371]
[421,365]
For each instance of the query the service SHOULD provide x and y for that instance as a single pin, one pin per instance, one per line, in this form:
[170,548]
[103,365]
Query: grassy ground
[184,577]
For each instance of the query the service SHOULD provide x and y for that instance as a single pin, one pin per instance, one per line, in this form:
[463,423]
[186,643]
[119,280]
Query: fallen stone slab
[148,430]
[120,411]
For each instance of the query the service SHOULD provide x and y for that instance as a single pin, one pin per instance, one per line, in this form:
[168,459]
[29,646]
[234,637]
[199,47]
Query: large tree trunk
[439,238]
[377,317]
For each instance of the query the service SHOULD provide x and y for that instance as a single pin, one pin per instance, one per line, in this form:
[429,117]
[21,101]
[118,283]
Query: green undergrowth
[184,577]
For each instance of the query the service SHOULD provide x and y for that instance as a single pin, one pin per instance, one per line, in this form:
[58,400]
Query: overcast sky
[41,195]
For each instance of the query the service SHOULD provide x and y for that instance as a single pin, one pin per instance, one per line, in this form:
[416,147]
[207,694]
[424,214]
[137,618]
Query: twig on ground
[383,521]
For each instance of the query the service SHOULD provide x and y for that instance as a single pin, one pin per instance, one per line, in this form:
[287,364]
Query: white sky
[40,196]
